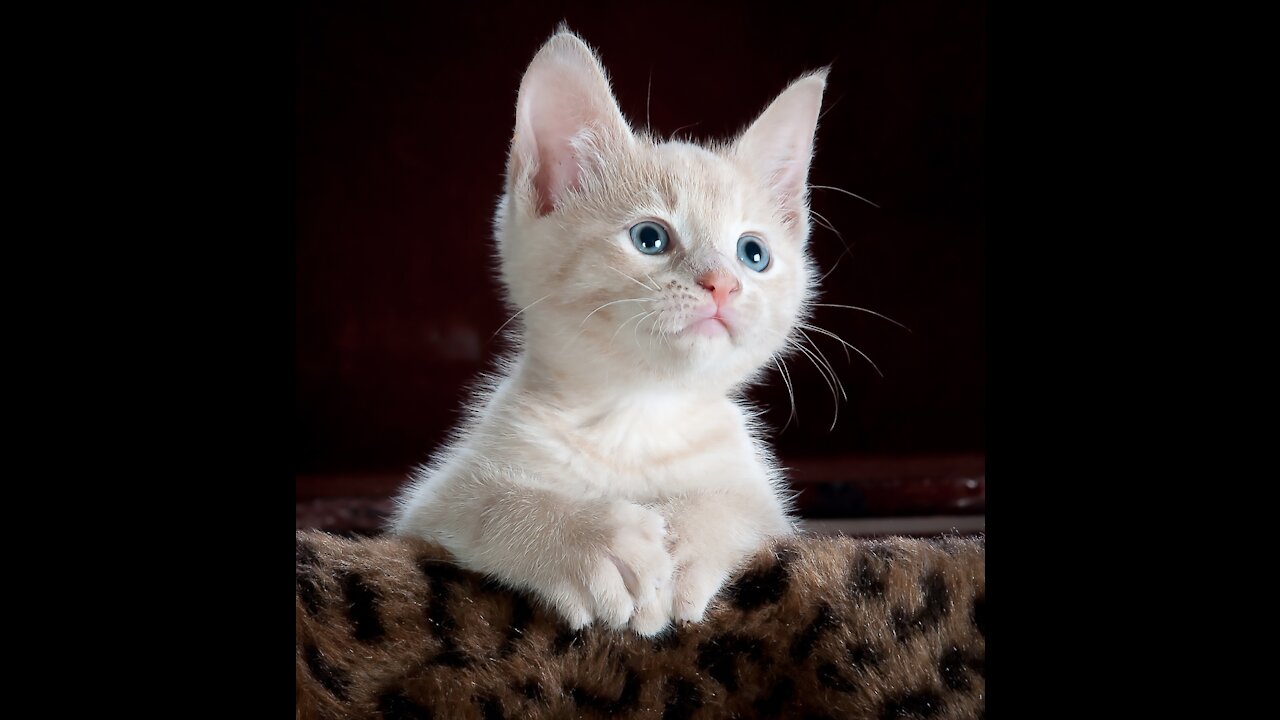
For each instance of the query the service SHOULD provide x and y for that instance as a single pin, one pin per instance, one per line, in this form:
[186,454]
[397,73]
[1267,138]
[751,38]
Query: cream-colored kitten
[612,470]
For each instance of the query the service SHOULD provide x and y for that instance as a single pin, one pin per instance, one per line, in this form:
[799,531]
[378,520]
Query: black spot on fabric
[490,708]
[980,615]
[937,600]
[362,608]
[565,640]
[441,570]
[953,670]
[936,605]
[778,697]
[882,550]
[978,663]
[521,614]
[763,586]
[863,657]
[867,580]
[630,692]
[719,655]
[626,698]
[532,690]
[309,593]
[329,676]
[669,639]
[306,571]
[901,622]
[440,576]
[683,699]
[451,656]
[306,556]
[395,705]
[829,675]
[802,646]
[918,704]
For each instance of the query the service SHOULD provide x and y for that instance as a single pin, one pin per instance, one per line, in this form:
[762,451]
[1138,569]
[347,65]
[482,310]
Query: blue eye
[650,238]
[753,253]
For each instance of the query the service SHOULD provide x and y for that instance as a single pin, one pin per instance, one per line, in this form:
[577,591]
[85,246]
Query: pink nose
[720,283]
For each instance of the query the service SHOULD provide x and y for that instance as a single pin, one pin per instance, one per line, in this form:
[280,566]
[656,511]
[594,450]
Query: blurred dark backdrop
[403,114]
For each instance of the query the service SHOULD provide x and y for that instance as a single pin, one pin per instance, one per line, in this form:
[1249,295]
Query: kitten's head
[638,259]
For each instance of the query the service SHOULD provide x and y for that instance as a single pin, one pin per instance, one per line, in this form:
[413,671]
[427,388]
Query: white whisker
[615,302]
[673,135]
[648,127]
[870,312]
[846,192]
[513,317]
[790,391]
[833,269]
[646,287]
[624,324]
[835,399]
[635,334]
[847,344]
[807,326]
[824,222]
[825,360]
[827,224]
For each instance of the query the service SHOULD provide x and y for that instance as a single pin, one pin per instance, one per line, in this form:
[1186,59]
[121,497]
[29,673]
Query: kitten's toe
[652,617]
[568,604]
[639,551]
[696,586]
[613,602]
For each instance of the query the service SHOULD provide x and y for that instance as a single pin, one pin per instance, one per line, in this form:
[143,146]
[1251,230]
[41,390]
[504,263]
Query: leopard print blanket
[813,627]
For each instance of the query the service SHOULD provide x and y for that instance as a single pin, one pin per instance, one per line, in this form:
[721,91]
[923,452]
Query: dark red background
[404,112]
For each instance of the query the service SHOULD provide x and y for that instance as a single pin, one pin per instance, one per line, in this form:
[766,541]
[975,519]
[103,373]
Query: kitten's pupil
[649,238]
[753,253]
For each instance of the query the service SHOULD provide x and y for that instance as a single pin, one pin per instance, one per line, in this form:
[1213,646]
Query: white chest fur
[639,446]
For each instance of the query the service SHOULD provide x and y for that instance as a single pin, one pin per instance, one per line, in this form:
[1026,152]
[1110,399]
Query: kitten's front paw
[629,577]
[694,587]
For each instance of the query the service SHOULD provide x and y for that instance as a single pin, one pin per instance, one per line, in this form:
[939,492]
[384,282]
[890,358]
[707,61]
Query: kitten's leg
[587,558]
[712,534]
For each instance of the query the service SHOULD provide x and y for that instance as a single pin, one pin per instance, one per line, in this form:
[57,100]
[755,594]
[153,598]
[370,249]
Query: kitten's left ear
[779,144]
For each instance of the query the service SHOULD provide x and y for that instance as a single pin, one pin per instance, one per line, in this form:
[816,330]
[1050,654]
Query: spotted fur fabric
[813,627]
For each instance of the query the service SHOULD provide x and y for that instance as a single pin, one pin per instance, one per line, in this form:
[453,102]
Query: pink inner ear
[550,116]
[779,145]
[559,168]
[788,184]
[563,94]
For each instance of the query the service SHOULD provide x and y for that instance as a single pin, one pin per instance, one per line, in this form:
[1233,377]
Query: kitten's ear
[565,115]
[779,144]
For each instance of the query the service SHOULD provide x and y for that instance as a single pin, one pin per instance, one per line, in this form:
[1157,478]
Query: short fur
[811,628]
[612,469]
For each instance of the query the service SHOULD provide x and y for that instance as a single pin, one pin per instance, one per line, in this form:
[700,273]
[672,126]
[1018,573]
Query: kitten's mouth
[714,326]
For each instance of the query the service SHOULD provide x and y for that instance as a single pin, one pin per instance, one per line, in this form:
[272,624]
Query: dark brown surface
[403,114]
[880,487]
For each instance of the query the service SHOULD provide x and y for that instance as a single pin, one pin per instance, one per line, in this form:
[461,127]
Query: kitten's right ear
[779,144]
[564,115]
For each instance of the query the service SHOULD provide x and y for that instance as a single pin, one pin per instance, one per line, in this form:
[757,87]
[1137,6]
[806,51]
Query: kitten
[613,470]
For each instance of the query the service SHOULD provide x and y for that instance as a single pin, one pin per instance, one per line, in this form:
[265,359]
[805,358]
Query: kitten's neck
[597,387]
